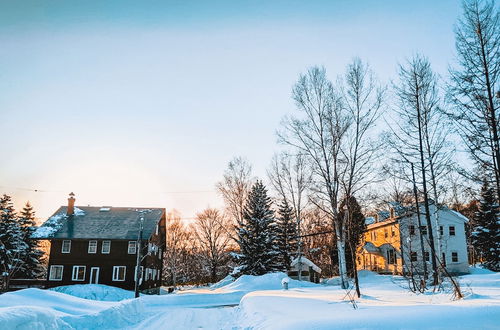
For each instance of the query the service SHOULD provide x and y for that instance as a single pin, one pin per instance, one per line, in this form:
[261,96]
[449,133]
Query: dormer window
[66,246]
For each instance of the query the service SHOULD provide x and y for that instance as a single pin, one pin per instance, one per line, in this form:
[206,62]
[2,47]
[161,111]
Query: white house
[392,241]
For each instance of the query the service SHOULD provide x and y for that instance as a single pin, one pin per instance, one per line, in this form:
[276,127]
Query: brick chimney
[71,204]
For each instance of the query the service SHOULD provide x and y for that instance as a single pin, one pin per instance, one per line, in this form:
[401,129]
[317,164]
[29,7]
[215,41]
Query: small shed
[310,271]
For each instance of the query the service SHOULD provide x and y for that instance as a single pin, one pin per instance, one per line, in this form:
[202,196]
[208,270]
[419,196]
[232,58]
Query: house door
[94,275]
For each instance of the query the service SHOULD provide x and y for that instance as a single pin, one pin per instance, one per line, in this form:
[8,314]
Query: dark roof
[100,223]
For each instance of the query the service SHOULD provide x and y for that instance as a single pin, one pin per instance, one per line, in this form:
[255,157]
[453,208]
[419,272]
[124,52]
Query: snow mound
[479,270]
[225,281]
[271,281]
[20,317]
[98,292]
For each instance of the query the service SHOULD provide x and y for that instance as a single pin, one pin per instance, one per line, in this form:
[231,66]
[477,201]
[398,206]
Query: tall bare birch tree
[318,133]
[363,98]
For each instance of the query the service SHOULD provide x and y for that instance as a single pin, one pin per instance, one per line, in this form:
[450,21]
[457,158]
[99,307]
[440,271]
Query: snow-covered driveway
[259,304]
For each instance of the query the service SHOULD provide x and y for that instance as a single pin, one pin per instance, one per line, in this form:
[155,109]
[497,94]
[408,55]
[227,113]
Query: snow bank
[271,281]
[95,292]
[23,317]
[225,281]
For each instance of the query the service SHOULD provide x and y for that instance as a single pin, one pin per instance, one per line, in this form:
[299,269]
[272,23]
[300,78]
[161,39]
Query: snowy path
[259,303]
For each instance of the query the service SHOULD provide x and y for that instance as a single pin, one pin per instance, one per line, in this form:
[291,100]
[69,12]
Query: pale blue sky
[120,100]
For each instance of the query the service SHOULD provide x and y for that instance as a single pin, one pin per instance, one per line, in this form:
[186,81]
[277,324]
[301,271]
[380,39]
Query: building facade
[100,245]
[395,243]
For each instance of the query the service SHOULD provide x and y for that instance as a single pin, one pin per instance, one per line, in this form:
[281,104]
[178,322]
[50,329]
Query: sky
[143,103]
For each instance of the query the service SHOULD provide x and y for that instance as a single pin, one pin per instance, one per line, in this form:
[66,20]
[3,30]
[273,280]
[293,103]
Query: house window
[386,233]
[132,249]
[393,232]
[426,256]
[444,259]
[106,247]
[413,256]
[92,246]
[56,273]
[454,257]
[119,273]
[452,230]
[441,231]
[391,257]
[66,246]
[78,273]
[412,230]
[423,230]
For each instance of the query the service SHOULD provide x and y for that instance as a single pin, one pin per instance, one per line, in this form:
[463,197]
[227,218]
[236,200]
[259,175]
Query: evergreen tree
[32,266]
[286,234]
[12,247]
[355,229]
[486,234]
[256,233]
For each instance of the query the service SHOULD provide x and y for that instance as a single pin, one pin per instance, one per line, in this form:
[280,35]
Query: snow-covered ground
[259,303]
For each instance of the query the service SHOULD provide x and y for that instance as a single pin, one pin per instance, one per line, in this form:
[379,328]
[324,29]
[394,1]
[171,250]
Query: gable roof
[89,222]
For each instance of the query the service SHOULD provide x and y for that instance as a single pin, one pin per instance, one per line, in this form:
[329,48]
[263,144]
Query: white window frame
[74,274]
[130,244]
[68,241]
[116,272]
[104,243]
[53,270]
[91,244]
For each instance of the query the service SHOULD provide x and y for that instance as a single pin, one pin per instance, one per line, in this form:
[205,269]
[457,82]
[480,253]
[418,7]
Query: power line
[150,192]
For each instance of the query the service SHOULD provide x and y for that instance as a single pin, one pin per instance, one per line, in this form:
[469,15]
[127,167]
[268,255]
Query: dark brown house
[99,245]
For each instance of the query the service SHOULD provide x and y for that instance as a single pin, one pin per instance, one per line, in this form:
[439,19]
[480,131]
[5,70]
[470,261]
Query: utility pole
[138,247]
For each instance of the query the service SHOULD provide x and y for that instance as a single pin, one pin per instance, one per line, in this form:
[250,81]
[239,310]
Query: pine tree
[32,266]
[486,234]
[256,232]
[286,234]
[12,247]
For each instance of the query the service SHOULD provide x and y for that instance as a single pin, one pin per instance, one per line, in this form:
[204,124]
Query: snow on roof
[460,215]
[305,261]
[50,226]
[369,220]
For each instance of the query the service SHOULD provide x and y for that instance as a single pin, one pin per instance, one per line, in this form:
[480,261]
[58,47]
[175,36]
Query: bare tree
[318,134]
[363,98]
[419,135]
[291,177]
[474,89]
[177,247]
[210,230]
[235,186]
